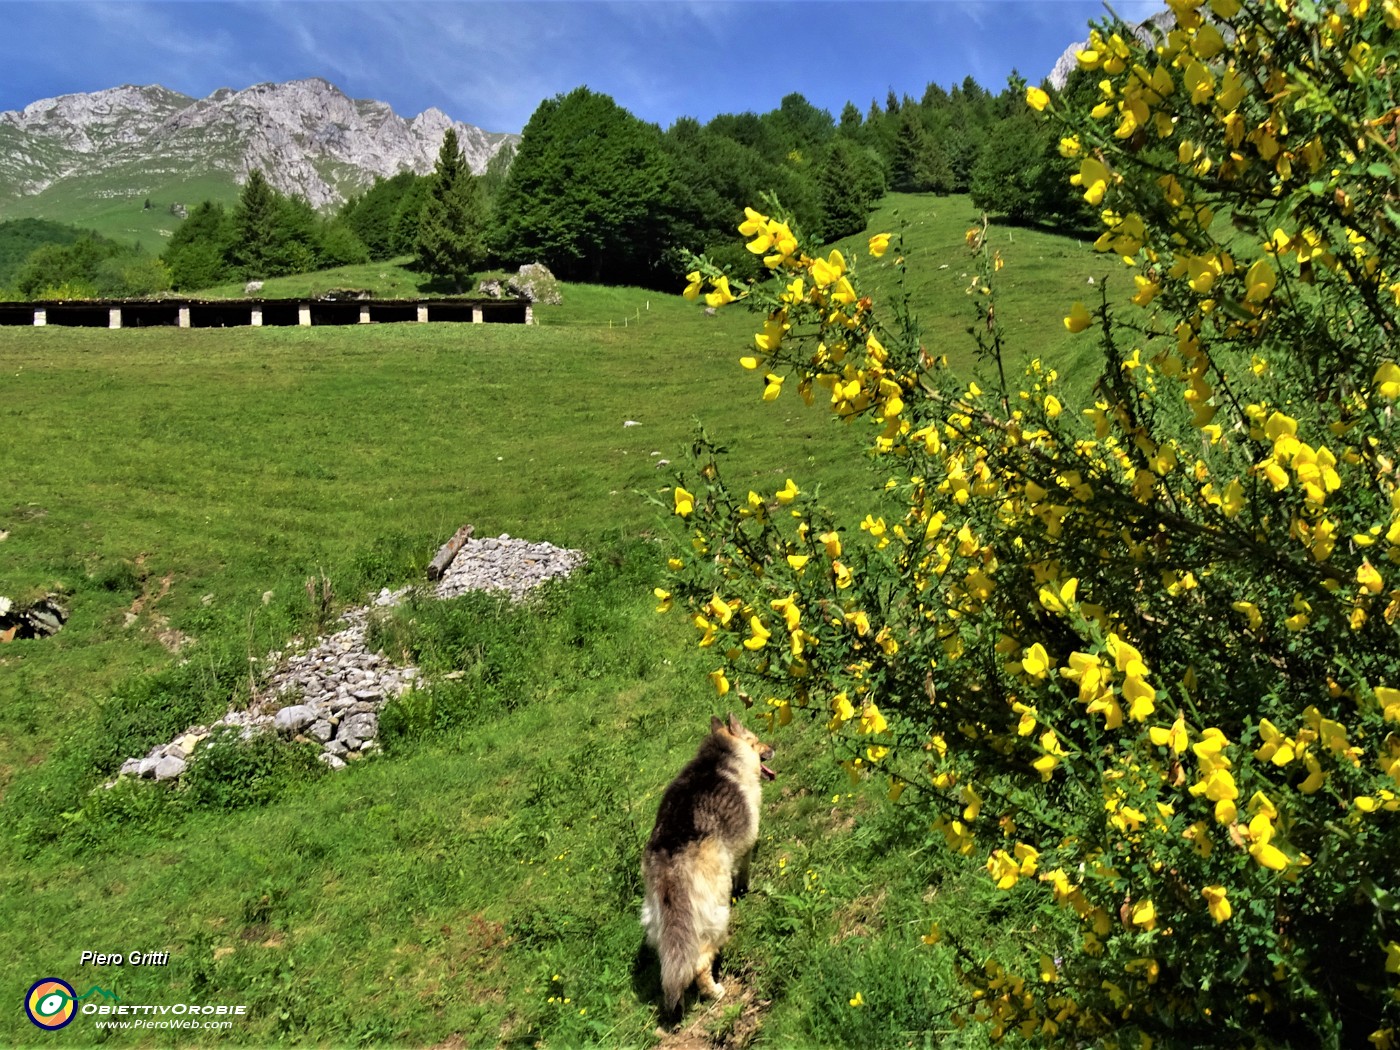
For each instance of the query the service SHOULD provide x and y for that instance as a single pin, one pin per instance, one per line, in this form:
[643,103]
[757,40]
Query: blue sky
[490,64]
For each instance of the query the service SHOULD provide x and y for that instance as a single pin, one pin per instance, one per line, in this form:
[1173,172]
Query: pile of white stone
[331,693]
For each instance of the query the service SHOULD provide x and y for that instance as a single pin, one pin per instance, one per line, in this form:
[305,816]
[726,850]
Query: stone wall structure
[260,313]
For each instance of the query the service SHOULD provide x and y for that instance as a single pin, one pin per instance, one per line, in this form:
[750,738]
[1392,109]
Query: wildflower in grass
[685,502]
[1079,319]
[1037,99]
[857,1000]
[879,244]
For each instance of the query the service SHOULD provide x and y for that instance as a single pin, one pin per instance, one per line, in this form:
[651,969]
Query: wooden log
[447,552]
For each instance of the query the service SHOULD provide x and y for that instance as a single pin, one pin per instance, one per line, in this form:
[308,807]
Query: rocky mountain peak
[1067,63]
[307,135]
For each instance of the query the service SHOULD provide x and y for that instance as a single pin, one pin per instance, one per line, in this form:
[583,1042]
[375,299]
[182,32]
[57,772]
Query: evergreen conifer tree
[451,240]
[255,222]
[920,165]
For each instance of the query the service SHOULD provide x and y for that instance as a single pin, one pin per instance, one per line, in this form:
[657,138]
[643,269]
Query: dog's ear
[735,726]
[715,724]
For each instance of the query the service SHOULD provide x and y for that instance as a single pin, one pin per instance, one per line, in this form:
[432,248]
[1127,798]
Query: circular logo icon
[51,1003]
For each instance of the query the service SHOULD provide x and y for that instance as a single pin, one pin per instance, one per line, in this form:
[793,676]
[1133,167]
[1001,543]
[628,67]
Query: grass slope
[196,478]
[106,203]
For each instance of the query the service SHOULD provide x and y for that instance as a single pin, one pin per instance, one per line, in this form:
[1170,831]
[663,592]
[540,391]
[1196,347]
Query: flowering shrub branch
[1138,656]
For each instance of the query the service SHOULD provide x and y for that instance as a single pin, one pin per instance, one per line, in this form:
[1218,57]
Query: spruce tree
[847,191]
[451,241]
[920,165]
[255,221]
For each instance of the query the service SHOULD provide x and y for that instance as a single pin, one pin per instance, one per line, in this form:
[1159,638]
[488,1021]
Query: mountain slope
[96,159]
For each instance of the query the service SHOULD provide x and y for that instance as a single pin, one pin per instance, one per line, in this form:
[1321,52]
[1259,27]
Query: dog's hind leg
[740,885]
[705,978]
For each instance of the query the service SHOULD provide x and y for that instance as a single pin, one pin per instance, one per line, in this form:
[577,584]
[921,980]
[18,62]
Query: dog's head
[743,738]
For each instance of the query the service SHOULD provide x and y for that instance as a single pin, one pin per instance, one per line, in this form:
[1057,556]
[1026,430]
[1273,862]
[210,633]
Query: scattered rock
[169,767]
[505,564]
[490,288]
[358,729]
[535,282]
[339,685]
[293,719]
[252,288]
[41,619]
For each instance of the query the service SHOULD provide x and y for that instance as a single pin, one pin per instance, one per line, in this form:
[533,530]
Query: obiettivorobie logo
[52,1003]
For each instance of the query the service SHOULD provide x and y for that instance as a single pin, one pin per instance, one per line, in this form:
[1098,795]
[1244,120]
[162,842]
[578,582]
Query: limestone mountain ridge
[73,153]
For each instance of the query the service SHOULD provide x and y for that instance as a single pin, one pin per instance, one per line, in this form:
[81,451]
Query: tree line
[599,195]
[42,259]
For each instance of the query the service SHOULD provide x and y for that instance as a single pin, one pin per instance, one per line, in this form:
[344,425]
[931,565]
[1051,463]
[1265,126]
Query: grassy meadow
[476,883]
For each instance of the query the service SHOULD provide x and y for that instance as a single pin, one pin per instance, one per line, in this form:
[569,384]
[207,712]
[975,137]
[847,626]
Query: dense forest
[598,195]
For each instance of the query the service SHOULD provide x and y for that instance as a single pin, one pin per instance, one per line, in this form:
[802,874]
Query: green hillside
[107,204]
[20,237]
[476,884]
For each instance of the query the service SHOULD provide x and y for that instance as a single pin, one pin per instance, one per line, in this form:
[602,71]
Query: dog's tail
[677,943]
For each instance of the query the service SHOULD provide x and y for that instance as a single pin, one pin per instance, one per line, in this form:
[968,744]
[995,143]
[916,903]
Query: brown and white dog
[705,832]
